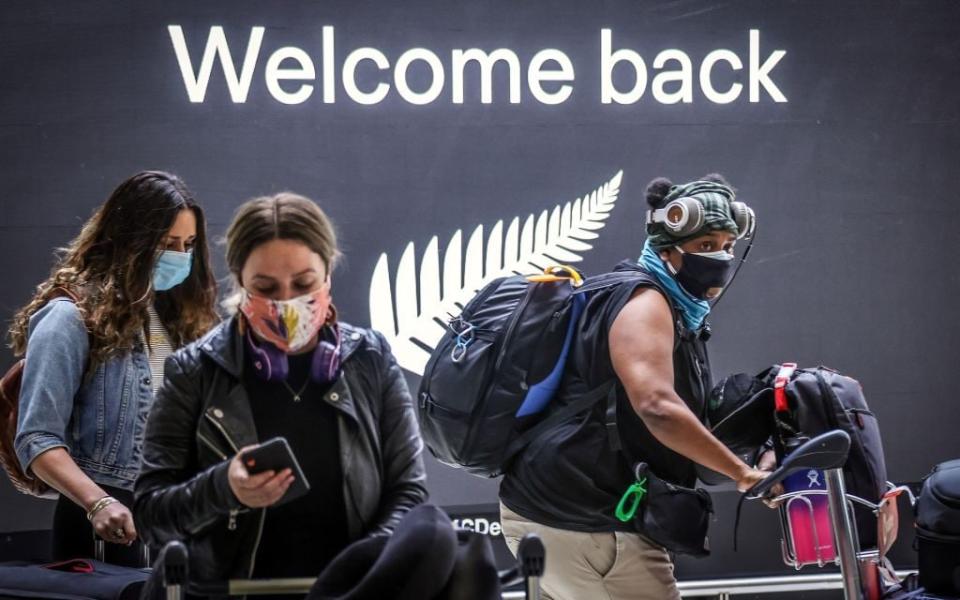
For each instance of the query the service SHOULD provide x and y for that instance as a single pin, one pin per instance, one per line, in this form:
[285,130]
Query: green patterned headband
[715,198]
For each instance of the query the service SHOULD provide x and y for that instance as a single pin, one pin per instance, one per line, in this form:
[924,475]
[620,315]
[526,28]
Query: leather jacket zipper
[212,447]
[222,430]
[232,516]
[256,544]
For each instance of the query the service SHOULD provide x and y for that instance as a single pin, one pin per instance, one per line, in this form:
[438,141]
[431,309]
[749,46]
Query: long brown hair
[109,267]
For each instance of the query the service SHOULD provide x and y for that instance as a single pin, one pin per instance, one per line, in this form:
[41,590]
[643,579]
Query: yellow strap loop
[558,273]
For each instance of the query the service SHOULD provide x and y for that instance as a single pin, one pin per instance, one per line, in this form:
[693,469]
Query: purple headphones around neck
[271,364]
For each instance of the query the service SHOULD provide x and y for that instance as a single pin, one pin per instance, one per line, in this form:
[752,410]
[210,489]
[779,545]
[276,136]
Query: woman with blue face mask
[134,285]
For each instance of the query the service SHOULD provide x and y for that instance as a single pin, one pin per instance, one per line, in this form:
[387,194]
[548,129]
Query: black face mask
[699,273]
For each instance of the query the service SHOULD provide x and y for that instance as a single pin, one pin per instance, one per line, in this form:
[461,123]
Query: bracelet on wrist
[100,505]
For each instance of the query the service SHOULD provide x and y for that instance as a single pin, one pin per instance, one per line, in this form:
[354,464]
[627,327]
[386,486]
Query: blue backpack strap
[540,394]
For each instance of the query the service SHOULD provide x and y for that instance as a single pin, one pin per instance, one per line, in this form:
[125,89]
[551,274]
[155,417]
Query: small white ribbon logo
[814,477]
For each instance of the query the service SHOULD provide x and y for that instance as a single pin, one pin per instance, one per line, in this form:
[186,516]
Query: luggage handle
[173,562]
[100,551]
[824,452]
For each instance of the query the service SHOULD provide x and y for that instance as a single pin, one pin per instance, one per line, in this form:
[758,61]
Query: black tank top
[571,477]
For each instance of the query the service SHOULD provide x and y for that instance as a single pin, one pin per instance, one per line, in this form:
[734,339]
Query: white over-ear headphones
[685,215]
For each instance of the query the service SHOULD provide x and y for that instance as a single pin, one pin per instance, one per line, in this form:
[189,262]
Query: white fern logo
[413,329]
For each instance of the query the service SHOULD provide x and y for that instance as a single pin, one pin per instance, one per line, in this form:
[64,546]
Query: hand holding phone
[267,475]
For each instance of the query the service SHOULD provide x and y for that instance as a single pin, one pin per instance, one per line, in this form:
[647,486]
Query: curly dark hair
[109,268]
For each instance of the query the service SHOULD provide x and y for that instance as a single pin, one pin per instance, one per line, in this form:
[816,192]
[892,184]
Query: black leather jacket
[201,417]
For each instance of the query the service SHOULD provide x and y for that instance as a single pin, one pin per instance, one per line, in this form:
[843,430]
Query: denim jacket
[98,417]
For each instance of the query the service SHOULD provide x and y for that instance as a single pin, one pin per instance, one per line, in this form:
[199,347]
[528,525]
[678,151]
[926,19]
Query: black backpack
[938,529]
[742,410]
[488,384]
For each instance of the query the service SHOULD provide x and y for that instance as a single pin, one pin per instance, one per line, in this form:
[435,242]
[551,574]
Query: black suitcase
[938,529]
[75,579]
[78,579]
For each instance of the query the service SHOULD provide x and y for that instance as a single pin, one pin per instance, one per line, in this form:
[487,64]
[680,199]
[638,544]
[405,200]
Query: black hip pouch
[670,515]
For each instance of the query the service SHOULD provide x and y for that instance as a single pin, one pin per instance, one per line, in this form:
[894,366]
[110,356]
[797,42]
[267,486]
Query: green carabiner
[638,491]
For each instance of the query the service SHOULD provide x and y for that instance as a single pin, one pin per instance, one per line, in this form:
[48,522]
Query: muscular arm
[641,349]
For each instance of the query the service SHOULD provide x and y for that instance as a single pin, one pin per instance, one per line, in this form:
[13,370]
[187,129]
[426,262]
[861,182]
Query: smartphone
[275,455]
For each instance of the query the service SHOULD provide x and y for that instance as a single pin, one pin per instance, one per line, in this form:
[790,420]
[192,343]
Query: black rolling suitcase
[938,530]
[75,579]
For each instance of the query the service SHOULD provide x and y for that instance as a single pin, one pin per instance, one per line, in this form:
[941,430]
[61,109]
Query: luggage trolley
[174,559]
[834,539]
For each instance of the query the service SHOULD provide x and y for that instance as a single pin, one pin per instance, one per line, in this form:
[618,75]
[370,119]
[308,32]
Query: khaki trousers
[595,566]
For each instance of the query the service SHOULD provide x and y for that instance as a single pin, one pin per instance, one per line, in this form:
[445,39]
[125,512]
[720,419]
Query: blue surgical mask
[172,269]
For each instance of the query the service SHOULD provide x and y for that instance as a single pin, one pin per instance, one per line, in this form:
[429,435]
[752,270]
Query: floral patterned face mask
[290,325]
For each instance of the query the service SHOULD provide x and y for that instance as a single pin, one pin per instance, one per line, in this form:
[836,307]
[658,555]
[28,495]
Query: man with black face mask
[643,329]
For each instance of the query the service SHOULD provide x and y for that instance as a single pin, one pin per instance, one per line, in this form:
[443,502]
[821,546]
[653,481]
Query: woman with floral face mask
[282,366]
[130,288]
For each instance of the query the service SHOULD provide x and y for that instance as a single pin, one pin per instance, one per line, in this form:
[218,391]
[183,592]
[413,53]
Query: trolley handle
[826,451]
[175,577]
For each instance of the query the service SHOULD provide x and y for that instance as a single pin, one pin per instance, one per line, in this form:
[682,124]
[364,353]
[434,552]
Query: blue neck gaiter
[692,309]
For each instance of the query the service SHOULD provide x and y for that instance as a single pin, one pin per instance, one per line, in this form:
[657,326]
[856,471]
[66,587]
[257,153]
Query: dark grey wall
[852,177]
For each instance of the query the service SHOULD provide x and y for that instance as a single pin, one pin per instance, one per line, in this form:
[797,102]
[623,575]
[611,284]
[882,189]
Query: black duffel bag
[670,515]
[938,529]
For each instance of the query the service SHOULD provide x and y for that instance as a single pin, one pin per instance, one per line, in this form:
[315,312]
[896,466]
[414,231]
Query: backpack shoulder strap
[64,292]
[638,278]
[615,278]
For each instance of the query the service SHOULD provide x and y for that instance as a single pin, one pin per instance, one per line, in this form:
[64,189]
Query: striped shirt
[158,348]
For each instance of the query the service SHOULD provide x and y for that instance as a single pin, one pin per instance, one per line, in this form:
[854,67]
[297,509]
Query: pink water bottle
[808,516]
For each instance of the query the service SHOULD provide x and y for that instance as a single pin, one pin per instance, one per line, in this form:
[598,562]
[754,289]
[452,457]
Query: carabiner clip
[634,496]
[464,337]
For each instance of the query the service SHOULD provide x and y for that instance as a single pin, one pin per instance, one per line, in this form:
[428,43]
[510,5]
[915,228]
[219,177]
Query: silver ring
[118,533]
